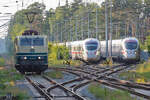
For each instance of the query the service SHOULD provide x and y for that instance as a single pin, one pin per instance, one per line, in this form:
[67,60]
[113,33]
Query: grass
[7,84]
[19,94]
[55,74]
[60,63]
[107,94]
[9,75]
[139,75]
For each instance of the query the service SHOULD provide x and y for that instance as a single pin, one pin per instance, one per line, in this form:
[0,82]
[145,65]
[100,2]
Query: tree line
[80,20]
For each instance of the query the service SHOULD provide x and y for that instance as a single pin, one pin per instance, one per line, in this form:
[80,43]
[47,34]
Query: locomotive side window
[131,45]
[38,41]
[25,41]
[91,45]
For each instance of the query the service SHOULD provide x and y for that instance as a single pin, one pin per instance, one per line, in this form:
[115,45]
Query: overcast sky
[11,6]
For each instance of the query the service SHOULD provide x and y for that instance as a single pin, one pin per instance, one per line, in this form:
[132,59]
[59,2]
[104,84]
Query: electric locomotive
[31,52]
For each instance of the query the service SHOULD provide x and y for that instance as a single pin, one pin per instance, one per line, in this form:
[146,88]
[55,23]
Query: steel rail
[39,89]
[80,85]
[65,83]
[78,97]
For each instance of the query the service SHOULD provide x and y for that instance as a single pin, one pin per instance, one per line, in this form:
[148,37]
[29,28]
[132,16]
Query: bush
[108,62]
[57,54]
[146,44]
[2,61]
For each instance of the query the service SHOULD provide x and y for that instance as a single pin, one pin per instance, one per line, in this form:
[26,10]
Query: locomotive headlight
[25,58]
[39,57]
[32,47]
[97,53]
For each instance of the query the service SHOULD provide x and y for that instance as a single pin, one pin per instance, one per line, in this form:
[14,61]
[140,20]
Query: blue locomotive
[31,52]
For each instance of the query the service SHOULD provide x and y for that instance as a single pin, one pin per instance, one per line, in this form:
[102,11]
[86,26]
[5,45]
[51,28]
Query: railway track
[101,76]
[56,90]
[85,75]
[40,89]
[97,73]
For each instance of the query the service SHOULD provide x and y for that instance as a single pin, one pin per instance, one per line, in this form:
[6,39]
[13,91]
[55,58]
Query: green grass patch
[139,75]
[107,94]
[17,93]
[7,84]
[76,63]
[55,74]
[9,75]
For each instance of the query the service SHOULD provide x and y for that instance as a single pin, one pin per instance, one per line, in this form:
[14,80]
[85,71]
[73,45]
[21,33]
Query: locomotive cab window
[131,45]
[32,41]
[38,41]
[91,45]
[25,41]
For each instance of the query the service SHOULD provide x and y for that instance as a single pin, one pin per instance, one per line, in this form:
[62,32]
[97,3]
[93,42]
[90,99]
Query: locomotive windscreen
[32,41]
[38,41]
[25,41]
[91,45]
[131,45]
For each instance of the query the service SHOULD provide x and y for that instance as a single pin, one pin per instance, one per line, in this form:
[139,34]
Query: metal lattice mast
[61,33]
[88,25]
[111,28]
[76,29]
[70,30]
[96,22]
[106,26]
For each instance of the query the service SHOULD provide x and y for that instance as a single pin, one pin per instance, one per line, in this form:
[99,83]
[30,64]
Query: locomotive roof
[32,36]
[30,32]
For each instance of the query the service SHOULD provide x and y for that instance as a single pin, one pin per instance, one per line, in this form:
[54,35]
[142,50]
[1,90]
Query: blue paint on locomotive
[31,53]
[31,58]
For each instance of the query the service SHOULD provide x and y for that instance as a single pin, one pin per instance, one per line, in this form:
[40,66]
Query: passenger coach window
[25,41]
[38,41]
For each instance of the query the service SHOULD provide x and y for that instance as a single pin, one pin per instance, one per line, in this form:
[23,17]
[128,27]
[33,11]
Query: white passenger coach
[87,50]
[124,49]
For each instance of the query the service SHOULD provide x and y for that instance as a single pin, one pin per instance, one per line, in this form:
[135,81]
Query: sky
[9,7]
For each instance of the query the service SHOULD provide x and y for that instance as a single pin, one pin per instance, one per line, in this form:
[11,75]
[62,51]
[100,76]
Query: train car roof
[119,41]
[131,38]
[77,42]
[89,39]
